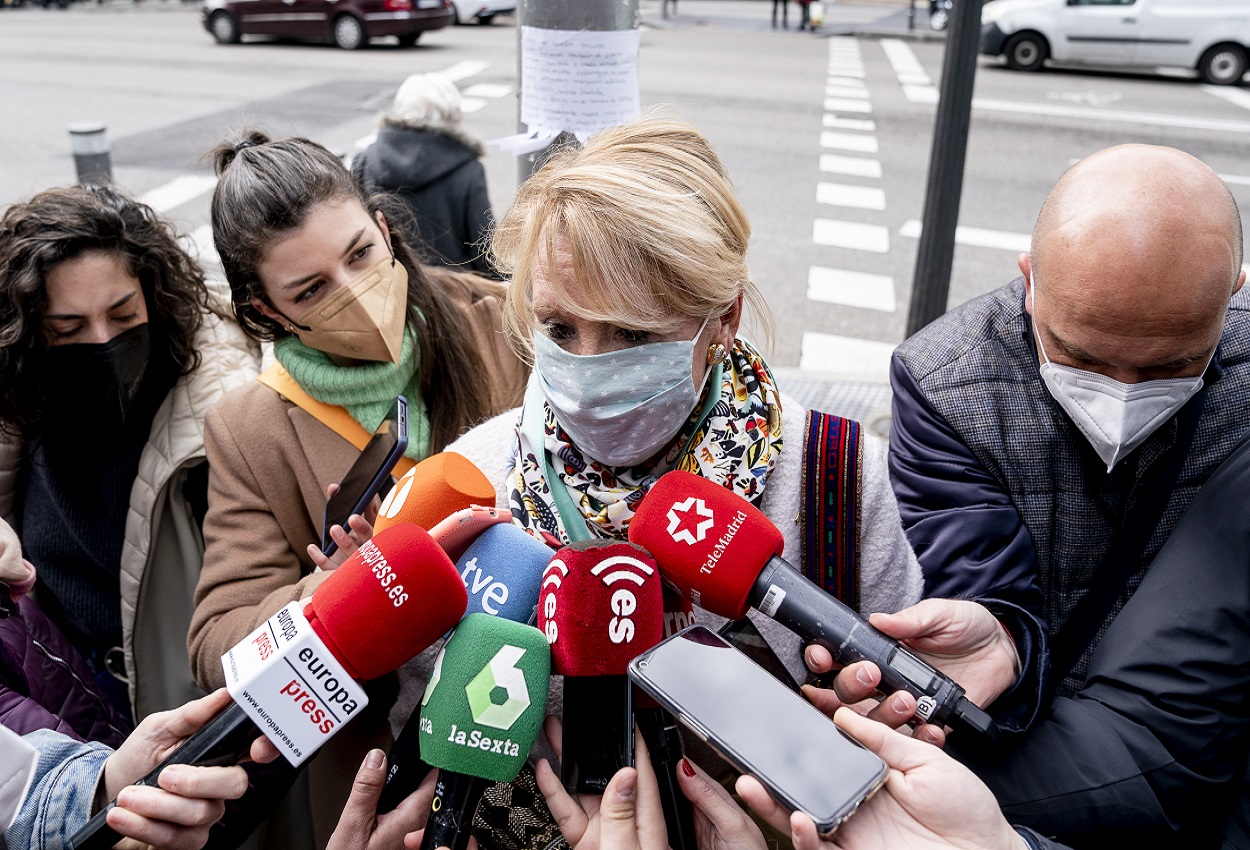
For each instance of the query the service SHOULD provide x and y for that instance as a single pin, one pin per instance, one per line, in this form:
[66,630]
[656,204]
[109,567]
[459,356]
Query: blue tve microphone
[501,569]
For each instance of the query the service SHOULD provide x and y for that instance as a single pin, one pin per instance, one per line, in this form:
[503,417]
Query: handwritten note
[578,81]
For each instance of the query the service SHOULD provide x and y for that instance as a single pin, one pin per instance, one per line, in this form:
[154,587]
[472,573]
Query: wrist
[103,795]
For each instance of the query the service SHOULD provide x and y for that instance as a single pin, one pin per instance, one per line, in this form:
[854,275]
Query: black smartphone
[370,474]
[759,725]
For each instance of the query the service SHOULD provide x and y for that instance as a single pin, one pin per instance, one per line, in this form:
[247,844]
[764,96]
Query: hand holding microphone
[292,677]
[726,555]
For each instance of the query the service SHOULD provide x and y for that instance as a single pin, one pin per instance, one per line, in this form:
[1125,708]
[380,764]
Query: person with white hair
[424,155]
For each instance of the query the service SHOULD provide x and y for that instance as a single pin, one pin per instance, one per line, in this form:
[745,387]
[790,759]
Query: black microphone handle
[787,596]
[598,737]
[456,797]
[224,740]
[663,737]
[406,768]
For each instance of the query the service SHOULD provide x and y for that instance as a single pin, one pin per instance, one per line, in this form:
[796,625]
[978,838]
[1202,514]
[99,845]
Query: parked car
[348,23]
[482,11]
[1210,36]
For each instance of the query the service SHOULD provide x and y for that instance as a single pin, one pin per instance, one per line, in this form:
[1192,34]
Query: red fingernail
[686,767]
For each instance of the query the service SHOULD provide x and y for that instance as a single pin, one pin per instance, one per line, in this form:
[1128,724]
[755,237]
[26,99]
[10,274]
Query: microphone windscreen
[434,489]
[600,605]
[456,532]
[485,701]
[709,541]
[501,571]
[390,600]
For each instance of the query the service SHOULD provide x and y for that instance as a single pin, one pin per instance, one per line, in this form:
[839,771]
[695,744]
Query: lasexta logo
[500,672]
[690,514]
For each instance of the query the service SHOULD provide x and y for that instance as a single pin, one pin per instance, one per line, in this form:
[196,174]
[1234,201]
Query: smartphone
[759,725]
[370,474]
[457,532]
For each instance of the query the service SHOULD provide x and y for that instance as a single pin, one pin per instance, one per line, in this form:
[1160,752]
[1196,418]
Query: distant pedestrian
[805,22]
[426,156]
[664,7]
[784,5]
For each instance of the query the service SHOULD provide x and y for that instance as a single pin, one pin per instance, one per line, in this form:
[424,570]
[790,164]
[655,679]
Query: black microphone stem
[456,797]
[663,737]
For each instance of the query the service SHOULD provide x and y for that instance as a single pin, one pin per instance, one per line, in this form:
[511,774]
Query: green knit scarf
[366,390]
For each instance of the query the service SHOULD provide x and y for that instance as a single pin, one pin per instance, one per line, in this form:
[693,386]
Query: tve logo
[623,568]
[681,518]
[493,593]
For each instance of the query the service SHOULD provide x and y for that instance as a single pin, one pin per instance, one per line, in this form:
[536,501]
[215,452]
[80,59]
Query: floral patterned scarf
[736,445]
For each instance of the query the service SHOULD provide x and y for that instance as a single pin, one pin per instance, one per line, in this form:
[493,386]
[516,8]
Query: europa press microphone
[293,678]
[435,488]
[600,605]
[500,570]
[726,555]
[480,716]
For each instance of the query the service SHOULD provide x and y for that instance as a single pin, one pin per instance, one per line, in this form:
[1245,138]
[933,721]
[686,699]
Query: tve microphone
[601,604]
[501,570]
[726,556]
[434,489]
[480,716]
[292,678]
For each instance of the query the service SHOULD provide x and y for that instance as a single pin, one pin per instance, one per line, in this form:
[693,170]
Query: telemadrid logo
[500,672]
[702,526]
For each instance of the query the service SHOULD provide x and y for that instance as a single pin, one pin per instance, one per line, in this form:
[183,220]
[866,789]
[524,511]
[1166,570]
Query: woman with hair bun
[112,348]
[315,266]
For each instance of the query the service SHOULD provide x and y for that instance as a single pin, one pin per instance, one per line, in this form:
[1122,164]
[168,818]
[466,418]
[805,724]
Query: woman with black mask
[112,348]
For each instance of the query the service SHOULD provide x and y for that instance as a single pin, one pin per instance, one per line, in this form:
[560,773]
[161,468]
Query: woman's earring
[716,353]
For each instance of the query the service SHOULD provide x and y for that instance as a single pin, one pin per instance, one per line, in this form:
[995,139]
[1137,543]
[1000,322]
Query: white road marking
[848,141]
[851,234]
[471,104]
[976,237]
[205,250]
[1238,179]
[851,289]
[865,359]
[364,141]
[921,94]
[464,70]
[838,104]
[860,93]
[856,166]
[1233,95]
[1152,118]
[178,191]
[842,195]
[846,81]
[902,60]
[488,90]
[865,124]
[853,71]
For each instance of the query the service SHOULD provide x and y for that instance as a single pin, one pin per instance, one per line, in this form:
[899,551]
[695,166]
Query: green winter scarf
[366,390]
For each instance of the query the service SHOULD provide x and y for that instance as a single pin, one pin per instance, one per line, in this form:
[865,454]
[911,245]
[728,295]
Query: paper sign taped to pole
[578,81]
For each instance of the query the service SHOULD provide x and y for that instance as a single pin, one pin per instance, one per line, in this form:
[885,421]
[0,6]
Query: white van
[1209,36]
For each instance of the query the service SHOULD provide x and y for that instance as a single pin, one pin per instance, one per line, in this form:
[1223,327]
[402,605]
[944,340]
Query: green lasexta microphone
[480,716]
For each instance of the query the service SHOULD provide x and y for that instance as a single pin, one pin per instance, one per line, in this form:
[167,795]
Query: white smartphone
[759,725]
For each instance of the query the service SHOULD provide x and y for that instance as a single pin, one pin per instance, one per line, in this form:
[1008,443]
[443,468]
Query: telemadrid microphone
[725,555]
[601,604]
[501,570]
[480,715]
[293,678]
[435,488]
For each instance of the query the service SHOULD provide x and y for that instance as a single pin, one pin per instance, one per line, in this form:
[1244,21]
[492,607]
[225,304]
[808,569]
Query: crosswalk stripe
[851,289]
[176,192]
[488,90]
[859,93]
[464,70]
[865,359]
[841,104]
[976,236]
[842,195]
[854,235]
[848,141]
[856,166]
[866,124]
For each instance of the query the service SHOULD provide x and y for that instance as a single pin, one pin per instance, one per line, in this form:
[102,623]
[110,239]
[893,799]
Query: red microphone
[725,555]
[292,678]
[434,489]
[600,605]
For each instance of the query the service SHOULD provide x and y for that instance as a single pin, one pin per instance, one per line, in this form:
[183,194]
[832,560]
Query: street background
[825,135]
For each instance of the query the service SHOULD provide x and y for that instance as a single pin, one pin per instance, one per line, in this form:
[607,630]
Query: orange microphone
[433,490]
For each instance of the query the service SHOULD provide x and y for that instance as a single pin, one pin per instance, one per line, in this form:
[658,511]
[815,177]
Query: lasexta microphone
[600,605]
[433,490]
[501,570]
[293,678]
[726,556]
[480,715]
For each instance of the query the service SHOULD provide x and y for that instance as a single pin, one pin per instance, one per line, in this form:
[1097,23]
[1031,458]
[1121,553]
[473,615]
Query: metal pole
[564,15]
[931,284]
[90,145]
[911,15]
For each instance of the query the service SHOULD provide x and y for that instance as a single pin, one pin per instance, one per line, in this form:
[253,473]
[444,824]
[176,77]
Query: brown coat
[270,463]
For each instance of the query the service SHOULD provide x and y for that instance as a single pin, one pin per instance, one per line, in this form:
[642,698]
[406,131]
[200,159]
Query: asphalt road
[827,137]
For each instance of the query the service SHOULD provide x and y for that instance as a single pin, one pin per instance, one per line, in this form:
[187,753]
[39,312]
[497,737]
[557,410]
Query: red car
[348,23]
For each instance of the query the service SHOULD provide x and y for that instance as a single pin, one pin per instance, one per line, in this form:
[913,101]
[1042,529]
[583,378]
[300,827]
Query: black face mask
[98,379]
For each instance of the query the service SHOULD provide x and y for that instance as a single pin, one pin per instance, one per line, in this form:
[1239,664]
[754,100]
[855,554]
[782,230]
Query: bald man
[1047,436]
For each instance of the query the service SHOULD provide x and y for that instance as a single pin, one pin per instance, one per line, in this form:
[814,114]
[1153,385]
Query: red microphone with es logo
[600,605]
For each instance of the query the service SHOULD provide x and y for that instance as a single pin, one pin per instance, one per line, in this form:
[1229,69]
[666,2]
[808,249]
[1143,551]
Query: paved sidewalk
[868,18]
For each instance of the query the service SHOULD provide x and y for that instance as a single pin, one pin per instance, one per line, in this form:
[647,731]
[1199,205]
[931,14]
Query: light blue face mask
[622,407]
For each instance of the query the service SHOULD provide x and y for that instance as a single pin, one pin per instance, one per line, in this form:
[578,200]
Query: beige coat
[163,548]
[270,465]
